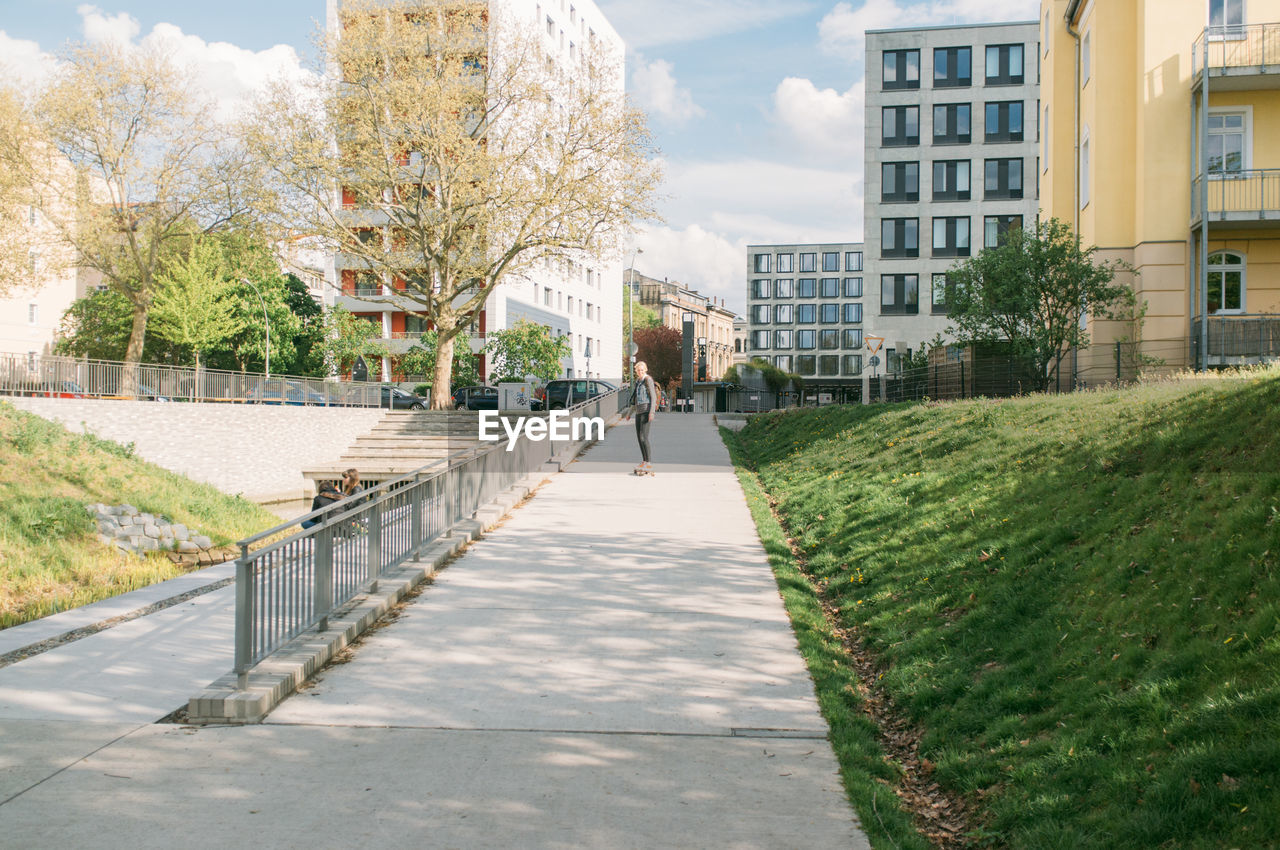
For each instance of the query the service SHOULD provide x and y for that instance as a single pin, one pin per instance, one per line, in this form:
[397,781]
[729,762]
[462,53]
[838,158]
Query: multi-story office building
[951,136]
[806,309]
[1158,147]
[570,295]
[713,322]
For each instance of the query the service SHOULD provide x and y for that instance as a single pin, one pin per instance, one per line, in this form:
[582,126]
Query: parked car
[62,389]
[397,399]
[287,392]
[475,398]
[566,392]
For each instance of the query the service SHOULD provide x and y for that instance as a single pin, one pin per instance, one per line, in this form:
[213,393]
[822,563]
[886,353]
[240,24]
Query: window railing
[1256,191]
[1237,340]
[1221,50]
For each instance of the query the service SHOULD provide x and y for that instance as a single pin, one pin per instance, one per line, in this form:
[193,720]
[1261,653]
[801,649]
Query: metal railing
[1238,340]
[291,585]
[1255,192]
[1238,48]
[70,377]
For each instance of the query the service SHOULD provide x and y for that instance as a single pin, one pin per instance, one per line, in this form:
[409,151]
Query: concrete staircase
[402,441]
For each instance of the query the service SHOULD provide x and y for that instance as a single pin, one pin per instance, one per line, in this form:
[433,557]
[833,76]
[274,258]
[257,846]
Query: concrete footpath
[612,668]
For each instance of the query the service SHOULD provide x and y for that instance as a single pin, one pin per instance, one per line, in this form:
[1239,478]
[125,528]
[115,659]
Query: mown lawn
[50,559]
[1076,598]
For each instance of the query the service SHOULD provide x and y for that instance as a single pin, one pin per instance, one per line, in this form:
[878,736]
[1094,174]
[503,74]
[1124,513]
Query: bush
[422,389]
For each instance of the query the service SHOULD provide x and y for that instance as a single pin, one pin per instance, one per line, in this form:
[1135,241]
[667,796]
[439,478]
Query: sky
[756,106]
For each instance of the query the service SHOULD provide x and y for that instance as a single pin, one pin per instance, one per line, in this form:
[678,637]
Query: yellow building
[1152,113]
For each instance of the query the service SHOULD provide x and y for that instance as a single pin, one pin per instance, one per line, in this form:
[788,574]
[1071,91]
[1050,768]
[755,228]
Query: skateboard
[639,471]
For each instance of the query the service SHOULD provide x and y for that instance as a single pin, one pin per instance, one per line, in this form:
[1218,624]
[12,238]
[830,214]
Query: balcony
[1237,58]
[1240,198]
[1238,340]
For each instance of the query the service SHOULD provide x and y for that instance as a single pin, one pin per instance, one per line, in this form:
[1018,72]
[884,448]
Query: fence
[291,585]
[70,377]
[1238,340]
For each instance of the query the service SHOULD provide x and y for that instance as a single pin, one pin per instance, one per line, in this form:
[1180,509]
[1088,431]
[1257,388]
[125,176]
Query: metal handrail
[294,584]
[1235,47]
[1255,190]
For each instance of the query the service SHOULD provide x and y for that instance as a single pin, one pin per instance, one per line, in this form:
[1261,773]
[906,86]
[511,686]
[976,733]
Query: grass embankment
[50,559]
[1075,598]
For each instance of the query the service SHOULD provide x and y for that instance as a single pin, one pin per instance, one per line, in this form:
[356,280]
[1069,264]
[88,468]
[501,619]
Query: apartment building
[950,163]
[806,309]
[712,321]
[572,296]
[1159,148]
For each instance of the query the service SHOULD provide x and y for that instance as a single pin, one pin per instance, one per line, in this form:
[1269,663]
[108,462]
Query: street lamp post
[631,325]
[265,318]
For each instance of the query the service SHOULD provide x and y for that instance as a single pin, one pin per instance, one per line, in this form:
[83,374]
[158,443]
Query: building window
[831,261]
[899,294]
[900,237]
[852,364]
[760,340]
[760,314]
[805,364]
[853,287]
[1226,19]
[1044,141]
[782,339]
[853,261]
[782,314]
[806,340]
[899,182]
[808,262]
[828,364]
[1048,30]
[830,314]
[853,338]
[940,288]
[900,126]
[1228,141]
[783,362]
[1004,121]
[995,229]
[808,288]
[806,314]
[951,236]
[829,340]
[1226,282]
[951,180]
[1003,179]
[1004,65]
[1086,58]
[952,124]
[33,314]
[762,263]
[760,288]
[952,67]
[1084,169]
[784,263]
[829,287]
[783,287]
[853,312]
[901,69]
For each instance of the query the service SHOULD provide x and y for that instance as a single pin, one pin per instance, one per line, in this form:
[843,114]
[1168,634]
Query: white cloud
[23,62]
[122,28]
[658,94]
[660,22]
[822,121]
[842,31]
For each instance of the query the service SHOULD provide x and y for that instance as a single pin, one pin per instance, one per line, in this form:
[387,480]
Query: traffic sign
[873,361]
[873,343]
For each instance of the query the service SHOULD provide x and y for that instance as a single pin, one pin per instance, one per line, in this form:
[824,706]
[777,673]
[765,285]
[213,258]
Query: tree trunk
[133,353]
[441,392]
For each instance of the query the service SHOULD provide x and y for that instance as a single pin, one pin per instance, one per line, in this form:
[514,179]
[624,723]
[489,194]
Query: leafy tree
[196,304]
[97,326]
[308,340]
[348,338]
[527,348]
[149,169]
[642,316]
[1032,291]
[466,159]
[421,360]
[660,349]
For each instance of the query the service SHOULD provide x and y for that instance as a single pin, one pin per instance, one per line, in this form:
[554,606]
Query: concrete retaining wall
[242,449]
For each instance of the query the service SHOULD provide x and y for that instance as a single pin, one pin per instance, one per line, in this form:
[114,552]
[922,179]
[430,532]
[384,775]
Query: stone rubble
[132,531]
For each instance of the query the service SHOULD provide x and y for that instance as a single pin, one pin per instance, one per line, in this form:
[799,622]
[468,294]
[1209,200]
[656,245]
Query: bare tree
[441,151]
[122,158]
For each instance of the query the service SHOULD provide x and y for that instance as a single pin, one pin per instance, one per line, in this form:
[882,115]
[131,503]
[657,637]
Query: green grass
[50,559]
[1076,597]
